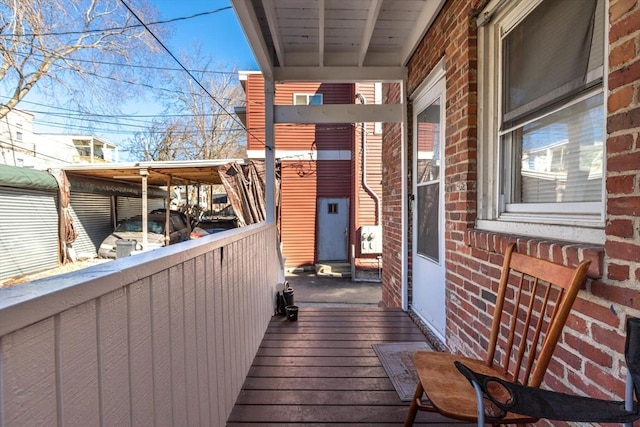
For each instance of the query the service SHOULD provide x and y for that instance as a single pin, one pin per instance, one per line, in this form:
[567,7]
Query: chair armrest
[538,403]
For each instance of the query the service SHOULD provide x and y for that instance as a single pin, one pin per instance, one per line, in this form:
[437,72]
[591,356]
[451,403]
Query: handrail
[168,333]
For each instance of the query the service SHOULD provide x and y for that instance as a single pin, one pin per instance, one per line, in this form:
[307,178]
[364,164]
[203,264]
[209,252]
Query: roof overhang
[335,40]
[157,173]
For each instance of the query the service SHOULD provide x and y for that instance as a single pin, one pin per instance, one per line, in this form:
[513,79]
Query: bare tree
[212,130]
[206,126]
[161,141]
[67,44]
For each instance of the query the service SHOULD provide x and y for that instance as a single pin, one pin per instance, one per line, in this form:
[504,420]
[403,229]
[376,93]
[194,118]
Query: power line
[144,67]
[143,125]
[131,117]
[126,27]
[191,75]
[125,116]
[148,86]
[92,129]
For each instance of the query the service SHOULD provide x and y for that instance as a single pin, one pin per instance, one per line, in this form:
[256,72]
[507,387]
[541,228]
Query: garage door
[132,206]
[91,215]
[28,231]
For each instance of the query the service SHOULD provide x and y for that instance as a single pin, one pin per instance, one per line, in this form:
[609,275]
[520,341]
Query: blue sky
[219,33]
[219,36]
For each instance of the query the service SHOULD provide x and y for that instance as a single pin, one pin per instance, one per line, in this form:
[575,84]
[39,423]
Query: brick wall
[589,358]
[392,205]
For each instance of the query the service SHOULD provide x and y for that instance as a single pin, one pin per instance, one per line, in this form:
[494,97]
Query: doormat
[397,361]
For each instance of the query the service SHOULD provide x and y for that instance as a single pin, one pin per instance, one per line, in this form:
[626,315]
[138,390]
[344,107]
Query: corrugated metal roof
[180,172]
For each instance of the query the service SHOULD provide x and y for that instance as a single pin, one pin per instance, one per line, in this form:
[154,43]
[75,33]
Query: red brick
[624,205]
[625,120]
[620,99]
[595,311]
[615,294]
[579,381]
[568,358]
[576,324]
[596,256]
[622,250]
[620,228]
[624,184]
[627,25]
[619,8]
[589,351]
[557,254]
[619,144]
[608,337]
[605,379]
[627,162]
[618,272]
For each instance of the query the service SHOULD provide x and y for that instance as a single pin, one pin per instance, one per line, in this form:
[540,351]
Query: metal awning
[335,40]
[188,172]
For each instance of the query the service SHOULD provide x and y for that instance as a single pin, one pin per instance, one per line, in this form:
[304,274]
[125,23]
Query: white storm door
[333,224]
[428,262]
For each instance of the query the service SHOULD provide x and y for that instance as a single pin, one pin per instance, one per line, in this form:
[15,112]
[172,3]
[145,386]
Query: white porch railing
[160,338]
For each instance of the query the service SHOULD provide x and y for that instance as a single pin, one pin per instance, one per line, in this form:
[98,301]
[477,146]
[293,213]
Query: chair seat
[449,391]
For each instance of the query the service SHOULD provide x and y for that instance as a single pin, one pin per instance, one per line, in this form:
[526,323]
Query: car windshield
[135,225]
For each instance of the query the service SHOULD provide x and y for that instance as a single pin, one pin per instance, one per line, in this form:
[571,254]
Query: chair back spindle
[534,299]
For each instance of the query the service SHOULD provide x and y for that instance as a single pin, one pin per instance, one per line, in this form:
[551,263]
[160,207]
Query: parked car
[131,228]
[173,213]
[212,225]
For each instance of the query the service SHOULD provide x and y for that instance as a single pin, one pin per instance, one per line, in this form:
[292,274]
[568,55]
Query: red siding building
[325,197]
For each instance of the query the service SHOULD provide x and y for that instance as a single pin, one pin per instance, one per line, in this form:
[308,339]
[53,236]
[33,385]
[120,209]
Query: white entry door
[428,262]
[333,224]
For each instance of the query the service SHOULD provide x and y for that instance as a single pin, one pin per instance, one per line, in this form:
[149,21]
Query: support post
[145,209]
[168,208]
[404,197]
[269,150]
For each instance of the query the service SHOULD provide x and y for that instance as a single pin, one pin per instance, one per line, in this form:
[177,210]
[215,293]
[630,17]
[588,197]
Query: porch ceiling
[335,40]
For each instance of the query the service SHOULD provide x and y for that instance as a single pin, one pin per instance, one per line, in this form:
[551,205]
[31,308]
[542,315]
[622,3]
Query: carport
[156,174]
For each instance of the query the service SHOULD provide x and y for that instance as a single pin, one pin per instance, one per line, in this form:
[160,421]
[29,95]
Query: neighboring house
[519,122]
[331,175]
[21,146]
[90,149]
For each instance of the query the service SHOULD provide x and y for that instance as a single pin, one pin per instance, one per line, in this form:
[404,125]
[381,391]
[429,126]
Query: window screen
[547,57]
[553,106]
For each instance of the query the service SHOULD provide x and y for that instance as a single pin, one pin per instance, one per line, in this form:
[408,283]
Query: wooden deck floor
[322,370]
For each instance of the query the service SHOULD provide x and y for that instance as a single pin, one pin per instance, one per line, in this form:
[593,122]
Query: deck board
[322,371]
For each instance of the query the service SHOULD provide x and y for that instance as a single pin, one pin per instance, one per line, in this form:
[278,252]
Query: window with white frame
[307,99]
[543,129]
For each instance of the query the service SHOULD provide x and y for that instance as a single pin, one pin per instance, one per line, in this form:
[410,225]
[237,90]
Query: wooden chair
[532,305]
[557,406]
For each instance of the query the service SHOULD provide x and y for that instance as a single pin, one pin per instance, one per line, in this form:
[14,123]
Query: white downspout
[365,185]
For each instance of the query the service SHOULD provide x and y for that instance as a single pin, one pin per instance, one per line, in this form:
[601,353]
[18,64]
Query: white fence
[160,338]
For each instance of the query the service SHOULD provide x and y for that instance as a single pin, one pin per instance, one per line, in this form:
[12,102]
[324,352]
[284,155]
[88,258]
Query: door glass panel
[428,219]
[429,143]
[428,181]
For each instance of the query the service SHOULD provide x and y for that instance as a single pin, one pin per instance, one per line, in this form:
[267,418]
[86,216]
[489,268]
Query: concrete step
[333,269]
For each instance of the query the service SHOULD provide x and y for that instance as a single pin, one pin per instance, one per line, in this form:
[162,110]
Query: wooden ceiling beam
[372,18]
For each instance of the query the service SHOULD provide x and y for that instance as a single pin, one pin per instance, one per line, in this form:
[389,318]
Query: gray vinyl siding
[132,206]
[91,215]
[28,231]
